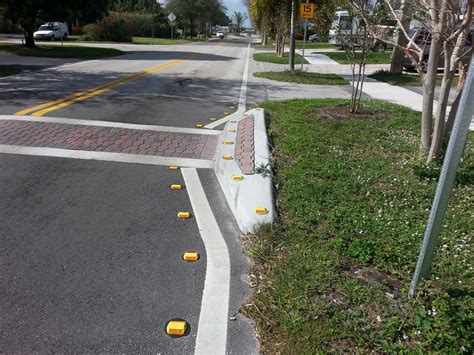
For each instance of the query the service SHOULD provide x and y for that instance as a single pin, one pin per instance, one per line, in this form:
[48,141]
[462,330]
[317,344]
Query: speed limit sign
[307,11]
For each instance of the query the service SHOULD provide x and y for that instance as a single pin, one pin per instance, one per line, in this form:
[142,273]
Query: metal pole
[304,43]
[292,35]
[454,152]
[172,30]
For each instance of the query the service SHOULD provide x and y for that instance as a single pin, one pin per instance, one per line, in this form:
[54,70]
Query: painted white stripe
[106,156]
[142,127]
[243,95]
[212,328]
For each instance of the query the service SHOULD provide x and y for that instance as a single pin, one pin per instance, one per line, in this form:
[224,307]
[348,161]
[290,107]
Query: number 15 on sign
[307,11]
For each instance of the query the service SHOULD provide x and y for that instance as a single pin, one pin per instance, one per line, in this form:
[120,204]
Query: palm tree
[238,18]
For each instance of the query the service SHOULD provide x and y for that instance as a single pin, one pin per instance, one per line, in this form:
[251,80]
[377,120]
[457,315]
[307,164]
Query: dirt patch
[342,112]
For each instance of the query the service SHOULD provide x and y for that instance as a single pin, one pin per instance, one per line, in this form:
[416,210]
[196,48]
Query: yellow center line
[41,110]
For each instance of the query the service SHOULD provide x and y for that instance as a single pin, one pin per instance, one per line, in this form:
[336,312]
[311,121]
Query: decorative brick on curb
[108,139]
[245,145]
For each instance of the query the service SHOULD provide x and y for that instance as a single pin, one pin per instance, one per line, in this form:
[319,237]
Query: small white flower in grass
[379,319]
[405,337]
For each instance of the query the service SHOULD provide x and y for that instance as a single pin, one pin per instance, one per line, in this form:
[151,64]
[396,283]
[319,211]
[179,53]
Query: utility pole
[292,35]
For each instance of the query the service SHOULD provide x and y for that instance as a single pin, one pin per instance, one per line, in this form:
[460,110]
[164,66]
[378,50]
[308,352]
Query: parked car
[220,35]
[422,37]
[316,38]
[52,31]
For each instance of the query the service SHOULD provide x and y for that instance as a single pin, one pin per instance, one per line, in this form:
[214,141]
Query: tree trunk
[29,37]
[429,84]
[398,54]
[438,131]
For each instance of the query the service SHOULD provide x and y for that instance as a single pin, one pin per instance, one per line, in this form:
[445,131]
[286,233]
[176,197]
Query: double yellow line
[57,104]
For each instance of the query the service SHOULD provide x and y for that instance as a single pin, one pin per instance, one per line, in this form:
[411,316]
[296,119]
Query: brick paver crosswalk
[108,139]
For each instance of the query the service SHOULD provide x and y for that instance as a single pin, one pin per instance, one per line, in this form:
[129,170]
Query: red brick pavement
[245,147]
[107,139]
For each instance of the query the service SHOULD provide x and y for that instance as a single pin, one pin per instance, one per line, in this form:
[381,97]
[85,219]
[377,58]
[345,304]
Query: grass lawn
[299,45]
[5,70]
[404,79]
[273,58]
[141,40]
[58,51]
[302,77]
[333,272]
[372,58]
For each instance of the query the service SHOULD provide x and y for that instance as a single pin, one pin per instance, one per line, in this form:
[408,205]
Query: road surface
[92,246]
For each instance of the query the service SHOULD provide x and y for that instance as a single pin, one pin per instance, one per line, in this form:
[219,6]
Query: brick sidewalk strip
[245,147]
[107,139]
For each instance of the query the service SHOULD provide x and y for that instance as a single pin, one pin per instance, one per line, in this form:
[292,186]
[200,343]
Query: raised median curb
[244,171]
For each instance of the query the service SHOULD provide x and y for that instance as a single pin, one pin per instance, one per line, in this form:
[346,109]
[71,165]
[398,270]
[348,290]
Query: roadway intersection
[92,245]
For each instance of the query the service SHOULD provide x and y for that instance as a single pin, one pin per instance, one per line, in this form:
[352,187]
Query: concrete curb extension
[254,191]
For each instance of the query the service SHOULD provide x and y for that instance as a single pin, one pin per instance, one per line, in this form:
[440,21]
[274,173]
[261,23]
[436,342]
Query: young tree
[447,24]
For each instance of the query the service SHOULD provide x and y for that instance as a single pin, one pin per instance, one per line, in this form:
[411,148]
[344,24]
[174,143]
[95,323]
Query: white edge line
[74,121]
[106,156]
[243,95]
[212,329]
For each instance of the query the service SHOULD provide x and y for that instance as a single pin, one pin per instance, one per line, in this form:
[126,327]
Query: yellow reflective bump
[231,107]
[229,142]
[212,119]
[226,113]
[237,177]
[191,256]
[173,167]
[199,125]
[231,130]
[227,157]
[233,121]
[260,210]
[176,327]
[184,215]
[176,187]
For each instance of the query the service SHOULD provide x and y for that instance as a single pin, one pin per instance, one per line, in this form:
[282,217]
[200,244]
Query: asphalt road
[91,251]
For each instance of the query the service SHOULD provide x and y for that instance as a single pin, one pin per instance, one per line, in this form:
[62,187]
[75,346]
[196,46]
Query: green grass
[6,70]
[58,51]
[299,45]
[372,58]
[353,198]
[273,58]
[302,77]
[404,79]
[141,40]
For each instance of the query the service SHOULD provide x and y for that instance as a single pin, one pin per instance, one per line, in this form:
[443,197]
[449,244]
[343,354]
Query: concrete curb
[254,191]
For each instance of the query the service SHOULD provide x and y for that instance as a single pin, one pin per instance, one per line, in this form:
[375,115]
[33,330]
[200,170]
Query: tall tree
[27,13]
[238,18]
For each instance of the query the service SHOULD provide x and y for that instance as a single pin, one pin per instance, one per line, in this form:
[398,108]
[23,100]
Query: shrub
[121,26]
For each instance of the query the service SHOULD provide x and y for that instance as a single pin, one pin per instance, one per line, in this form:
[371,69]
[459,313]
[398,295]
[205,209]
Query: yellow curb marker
[237,177]
[199,125]
[184,215]
[227,157]
[212,119]
[229,142]
[191,256]
[176,187]
[231,130]
[260,210]
[226,113]
[173,167]
[233,121]
[176,327]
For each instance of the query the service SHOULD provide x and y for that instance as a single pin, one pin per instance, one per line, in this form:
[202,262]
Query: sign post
[172,18]
[307,11]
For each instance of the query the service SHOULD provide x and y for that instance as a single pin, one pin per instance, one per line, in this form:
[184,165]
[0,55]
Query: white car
[220,35]
[52,31]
